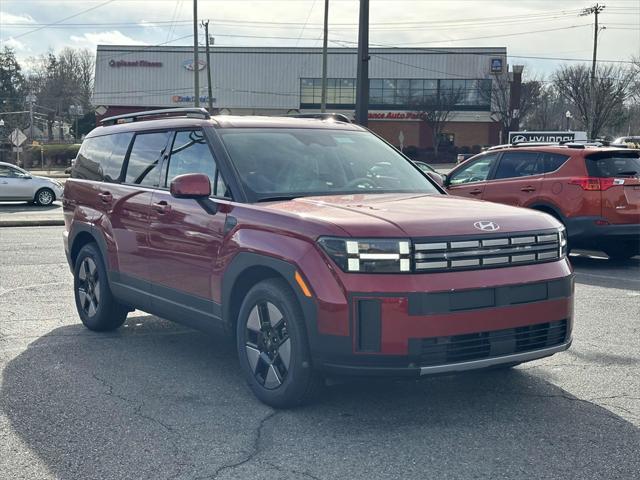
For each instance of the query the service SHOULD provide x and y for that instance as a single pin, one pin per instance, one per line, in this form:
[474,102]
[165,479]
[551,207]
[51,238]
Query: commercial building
[281,81]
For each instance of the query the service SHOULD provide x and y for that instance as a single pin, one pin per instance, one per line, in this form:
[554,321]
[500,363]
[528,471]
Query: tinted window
[553,161]
[518,164]
[475,171]
[190,153]
[614,164]
[144,161]
[298,162]
[6,171]
[101,158]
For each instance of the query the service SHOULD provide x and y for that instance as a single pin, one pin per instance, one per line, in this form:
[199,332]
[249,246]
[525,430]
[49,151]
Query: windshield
[290,163]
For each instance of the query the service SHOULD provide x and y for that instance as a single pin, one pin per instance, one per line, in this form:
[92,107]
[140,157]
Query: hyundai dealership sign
[546,137]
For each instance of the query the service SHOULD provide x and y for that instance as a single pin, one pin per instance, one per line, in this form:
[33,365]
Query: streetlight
[568,116]
[76,111]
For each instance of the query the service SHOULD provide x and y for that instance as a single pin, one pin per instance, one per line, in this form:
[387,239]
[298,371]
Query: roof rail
[339,117]
[132,117]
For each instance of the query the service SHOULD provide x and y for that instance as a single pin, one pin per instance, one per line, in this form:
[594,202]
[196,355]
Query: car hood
[412,215]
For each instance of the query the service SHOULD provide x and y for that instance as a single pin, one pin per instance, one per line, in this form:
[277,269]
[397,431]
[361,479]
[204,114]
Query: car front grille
[466,253]
[477,346]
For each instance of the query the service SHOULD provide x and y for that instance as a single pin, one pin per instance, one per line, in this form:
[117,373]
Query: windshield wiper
[627,172]
[277,198]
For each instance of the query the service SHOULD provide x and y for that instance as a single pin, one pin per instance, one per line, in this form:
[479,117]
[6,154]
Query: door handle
[162,207]
[528,188]
[106,197]
[477,191]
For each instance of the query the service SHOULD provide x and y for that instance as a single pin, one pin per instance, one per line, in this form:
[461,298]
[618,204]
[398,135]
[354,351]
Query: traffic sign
[17,137]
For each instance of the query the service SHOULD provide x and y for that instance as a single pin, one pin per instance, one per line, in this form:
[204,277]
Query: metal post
[323,102]
[362,81]
[209,89]
[196,64]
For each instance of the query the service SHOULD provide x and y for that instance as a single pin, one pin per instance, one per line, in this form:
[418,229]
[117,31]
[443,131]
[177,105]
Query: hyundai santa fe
[317,245]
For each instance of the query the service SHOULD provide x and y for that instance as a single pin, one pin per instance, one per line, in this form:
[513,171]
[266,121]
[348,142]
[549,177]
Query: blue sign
[496,65]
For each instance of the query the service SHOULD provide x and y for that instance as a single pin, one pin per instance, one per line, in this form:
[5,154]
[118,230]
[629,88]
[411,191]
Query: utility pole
[209,90]
[595,11]
[362,81]
[31,99]
[323,102]
[196,63]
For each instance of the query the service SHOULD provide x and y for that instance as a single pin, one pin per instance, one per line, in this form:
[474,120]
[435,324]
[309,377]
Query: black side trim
[428,303]
[369,326]
[166,302]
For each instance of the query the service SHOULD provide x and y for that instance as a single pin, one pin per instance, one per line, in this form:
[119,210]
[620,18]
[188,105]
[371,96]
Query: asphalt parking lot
[157,401]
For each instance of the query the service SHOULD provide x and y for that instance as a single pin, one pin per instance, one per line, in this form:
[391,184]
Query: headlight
[380,255]
[562,242]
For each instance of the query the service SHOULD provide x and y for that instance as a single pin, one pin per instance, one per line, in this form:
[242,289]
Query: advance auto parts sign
[550,137]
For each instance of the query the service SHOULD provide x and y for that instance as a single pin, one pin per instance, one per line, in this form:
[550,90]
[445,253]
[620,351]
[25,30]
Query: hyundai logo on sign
[486,226]
[191,66]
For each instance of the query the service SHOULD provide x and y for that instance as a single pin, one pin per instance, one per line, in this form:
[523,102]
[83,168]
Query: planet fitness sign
[133,63]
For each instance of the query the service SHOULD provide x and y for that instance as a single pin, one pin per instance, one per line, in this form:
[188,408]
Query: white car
[17,184]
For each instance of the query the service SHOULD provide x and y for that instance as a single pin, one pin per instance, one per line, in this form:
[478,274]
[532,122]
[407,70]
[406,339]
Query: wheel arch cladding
[82,236]
[546,208]
[245,271]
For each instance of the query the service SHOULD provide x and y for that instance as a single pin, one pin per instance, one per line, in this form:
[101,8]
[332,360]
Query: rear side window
[101,158]
[143,167]
[518,164]
[613,164]
[553,161]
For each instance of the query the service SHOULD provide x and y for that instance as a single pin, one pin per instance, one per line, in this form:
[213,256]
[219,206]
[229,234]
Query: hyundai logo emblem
[486,226]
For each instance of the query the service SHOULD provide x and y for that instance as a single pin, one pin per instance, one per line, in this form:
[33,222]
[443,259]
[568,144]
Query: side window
[190,153]
[5,171]
[476,171]
[518,164]
[553,161]
[143,167]
[101,158]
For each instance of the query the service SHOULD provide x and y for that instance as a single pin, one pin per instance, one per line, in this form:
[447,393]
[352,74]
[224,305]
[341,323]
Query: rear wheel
[45,197]
[96,306]
[272,346]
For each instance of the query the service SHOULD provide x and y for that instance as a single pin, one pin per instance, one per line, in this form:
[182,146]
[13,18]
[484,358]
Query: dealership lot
[156,400]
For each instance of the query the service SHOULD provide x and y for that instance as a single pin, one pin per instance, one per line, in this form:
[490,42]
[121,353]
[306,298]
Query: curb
[32,223]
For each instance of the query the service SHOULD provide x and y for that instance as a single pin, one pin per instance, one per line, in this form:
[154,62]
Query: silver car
[17,184]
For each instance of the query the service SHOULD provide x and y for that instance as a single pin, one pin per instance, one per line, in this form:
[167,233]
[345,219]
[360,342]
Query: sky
[540,34]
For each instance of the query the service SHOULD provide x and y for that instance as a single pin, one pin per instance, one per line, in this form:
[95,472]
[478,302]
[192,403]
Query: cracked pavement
[155,400]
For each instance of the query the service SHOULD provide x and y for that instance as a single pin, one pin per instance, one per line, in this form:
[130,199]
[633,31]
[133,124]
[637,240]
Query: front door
[185,235]
[469,180]
[15,184]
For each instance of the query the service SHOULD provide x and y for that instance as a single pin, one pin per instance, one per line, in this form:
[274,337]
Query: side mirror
[436,177]
[191,185]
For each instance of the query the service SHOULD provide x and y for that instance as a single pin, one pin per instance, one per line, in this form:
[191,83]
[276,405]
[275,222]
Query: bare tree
[436,110]
[548,112]
[500,99]
[613,86]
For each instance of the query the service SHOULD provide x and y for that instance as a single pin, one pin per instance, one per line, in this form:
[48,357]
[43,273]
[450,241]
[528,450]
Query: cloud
[15,44]
[20,18]
[114,37]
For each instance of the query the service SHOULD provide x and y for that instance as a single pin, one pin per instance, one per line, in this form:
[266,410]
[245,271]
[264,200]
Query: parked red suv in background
[316,244]
[593,191]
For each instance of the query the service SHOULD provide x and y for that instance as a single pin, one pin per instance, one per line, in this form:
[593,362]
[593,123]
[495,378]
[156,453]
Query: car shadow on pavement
[14,207]
[154,400]
[599,271]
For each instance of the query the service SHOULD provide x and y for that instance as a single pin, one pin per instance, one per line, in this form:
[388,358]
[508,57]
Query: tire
[44,197]
[97,308]
[273,347]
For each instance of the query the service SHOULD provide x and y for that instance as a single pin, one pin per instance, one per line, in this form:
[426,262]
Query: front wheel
[45,197]
[272,346]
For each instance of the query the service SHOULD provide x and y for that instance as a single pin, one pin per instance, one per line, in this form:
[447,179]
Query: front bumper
[424,333]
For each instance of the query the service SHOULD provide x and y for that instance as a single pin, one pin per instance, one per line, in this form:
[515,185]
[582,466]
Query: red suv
[593,191]
[320,247]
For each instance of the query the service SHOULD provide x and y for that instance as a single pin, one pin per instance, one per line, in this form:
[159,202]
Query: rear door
[517,180]
[470,179]
[618,173]
[185,234]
